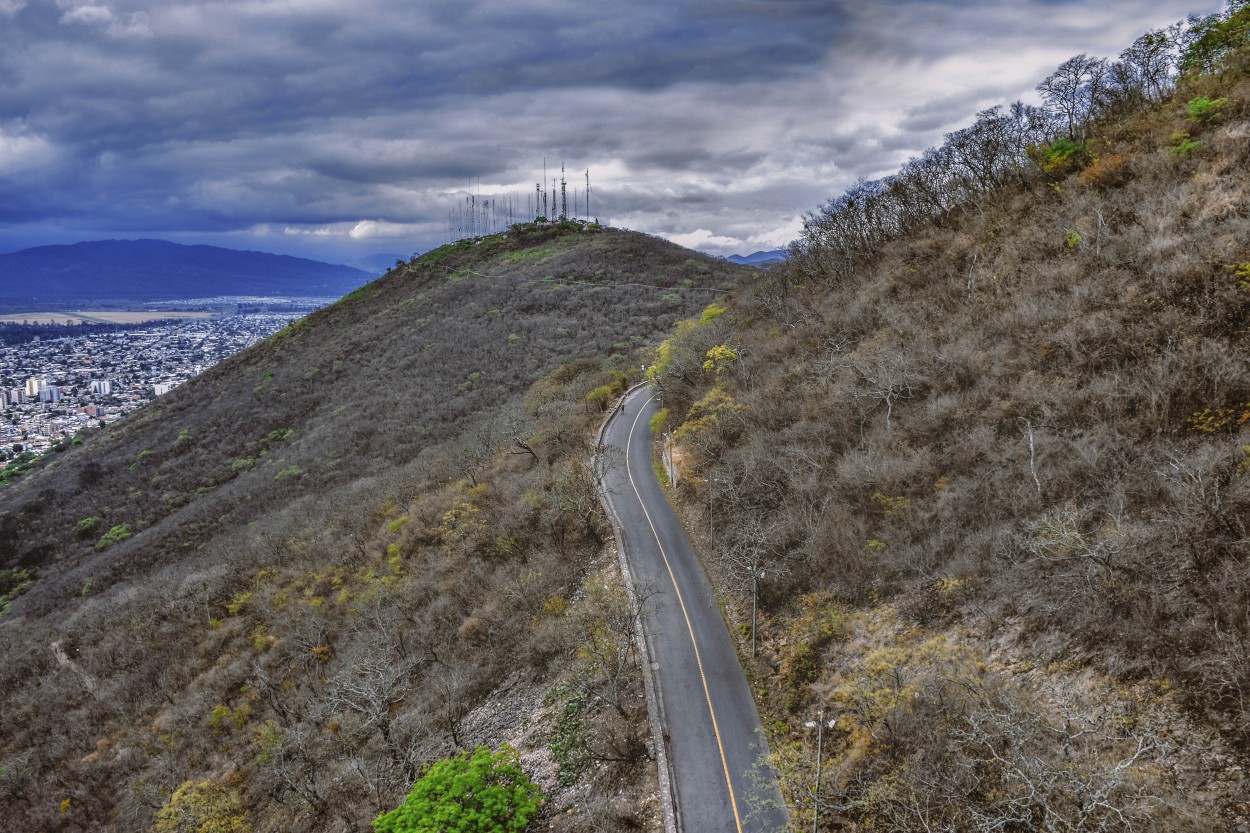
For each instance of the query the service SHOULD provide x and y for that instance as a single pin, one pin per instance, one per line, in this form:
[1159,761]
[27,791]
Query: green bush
[1183,145]
[1202,110]
[115,535]
[21,463]
[1241,271]
[486,792]
[600,397]
[711,313]
[289,471]
[86,526]
[140,457]
[203,807]
[1061,157]
[13,583]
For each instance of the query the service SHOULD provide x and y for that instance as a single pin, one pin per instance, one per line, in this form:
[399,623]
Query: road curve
[714,743]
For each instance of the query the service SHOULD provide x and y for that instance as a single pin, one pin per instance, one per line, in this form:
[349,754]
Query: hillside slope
[142,270]
[983,447]
[298,577]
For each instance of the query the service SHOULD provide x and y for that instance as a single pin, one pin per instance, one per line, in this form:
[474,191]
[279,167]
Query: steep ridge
[982,446]
[293,580]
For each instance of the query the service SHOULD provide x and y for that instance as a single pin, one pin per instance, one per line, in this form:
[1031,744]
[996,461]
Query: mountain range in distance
[758,258]
[148,270]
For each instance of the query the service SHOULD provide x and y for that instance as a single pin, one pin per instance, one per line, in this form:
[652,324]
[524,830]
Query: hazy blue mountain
[142,270]
[757,258]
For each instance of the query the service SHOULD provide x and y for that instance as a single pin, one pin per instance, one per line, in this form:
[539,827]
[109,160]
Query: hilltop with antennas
[479,215]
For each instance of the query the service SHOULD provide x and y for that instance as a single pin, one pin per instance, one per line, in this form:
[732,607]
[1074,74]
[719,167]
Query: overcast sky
[334,129]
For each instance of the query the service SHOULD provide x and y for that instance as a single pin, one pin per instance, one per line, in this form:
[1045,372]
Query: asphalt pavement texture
[716,747]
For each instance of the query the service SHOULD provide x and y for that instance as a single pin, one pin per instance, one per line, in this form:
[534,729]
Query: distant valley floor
[72,317]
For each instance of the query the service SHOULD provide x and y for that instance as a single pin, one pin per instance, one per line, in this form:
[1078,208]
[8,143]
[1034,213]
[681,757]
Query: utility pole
[755,595]
[815,791]
[820,736]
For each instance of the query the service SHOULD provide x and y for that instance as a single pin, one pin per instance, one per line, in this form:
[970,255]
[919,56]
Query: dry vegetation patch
[351,550]
[992,415]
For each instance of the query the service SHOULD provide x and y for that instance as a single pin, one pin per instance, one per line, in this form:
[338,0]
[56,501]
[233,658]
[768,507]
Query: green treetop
[485,792]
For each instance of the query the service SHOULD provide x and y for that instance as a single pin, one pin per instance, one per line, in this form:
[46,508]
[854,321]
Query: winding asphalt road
[715,747]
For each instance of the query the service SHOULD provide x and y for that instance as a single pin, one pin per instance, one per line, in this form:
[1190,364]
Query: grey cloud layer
[729,116]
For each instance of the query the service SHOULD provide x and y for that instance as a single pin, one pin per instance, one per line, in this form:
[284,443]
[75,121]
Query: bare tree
[577,493]
[1052,792]
[475,450]
[375,687]
[517,430]
[453,683]
[1073,90]
[887,378]
[747,560]
[1148,65]
[611,623]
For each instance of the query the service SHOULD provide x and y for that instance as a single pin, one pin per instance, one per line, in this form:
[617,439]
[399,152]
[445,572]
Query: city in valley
[50,389]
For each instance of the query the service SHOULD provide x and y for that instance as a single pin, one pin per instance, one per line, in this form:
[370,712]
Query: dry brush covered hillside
[980,450]
[271,596]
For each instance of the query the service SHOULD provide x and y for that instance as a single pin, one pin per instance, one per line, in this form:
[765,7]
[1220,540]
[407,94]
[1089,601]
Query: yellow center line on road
[629,472]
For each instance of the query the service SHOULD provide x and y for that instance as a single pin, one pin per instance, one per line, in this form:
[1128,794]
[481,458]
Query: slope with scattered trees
[274,597]
[979,450]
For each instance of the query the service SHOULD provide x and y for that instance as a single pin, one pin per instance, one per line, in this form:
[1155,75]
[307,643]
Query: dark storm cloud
[322,123]
[382,162]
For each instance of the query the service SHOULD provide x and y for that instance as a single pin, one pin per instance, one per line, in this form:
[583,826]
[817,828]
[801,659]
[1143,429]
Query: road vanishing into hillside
[714,742]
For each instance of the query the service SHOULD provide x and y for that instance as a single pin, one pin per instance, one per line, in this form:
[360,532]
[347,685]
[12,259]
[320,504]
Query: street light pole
[820,736]
[755,595]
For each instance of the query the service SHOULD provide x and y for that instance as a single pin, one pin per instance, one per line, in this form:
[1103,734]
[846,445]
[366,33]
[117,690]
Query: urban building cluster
[52,389]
